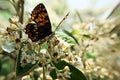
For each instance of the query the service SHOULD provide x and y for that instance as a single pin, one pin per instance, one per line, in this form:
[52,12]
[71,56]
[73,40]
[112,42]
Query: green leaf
[53,74]
[66,38]
[20,70]
[71,35]
[0,65]
[6,67]
[76,32]
[36,75]
[9,47]
[86,36]
[44,45]
[90,55]
[75,73]
[79,16]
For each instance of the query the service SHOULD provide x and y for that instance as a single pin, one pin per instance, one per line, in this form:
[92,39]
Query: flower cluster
[61,50]
[28,58]
[64,74]
[99,43]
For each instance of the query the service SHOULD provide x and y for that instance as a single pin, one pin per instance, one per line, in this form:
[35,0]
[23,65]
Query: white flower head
[27,58]
[92,28]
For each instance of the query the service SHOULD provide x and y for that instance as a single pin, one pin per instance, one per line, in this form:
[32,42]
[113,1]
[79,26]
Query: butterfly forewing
[40,16]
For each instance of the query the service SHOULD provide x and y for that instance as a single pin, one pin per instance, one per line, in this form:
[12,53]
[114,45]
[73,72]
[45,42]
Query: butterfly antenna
[62,21]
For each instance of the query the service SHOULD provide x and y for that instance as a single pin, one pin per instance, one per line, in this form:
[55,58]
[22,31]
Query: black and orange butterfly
[41,30]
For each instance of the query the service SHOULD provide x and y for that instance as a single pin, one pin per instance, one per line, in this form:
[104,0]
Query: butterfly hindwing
[32,31]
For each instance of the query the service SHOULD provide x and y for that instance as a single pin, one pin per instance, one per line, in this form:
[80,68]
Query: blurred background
[61,7]
[103,14]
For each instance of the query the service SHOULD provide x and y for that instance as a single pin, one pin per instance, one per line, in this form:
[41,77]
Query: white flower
[66,72]
[78,60]
[14,19]
[24,59]
[32,58]
[92,28]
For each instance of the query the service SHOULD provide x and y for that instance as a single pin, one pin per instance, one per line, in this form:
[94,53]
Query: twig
[14,7]
[22,11]
[21,16]
[62,21]
[11,55]
[113,11]
[44,77]
[79,16]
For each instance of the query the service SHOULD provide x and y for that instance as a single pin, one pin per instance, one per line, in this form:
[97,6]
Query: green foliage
[0,65]
[53,74]
[75,73]
[86,36]
[65,38]
[22,70]
[90,55]
[6,67]
[6,15]
[71,35]
[36,75]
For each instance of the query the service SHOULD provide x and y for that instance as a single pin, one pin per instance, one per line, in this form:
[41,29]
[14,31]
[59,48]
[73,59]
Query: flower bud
[14,19]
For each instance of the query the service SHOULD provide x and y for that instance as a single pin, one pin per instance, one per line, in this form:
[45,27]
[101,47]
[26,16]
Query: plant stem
[22,11]
[44,78]
[13,3]
[78,14]
[21,16]
[62,21]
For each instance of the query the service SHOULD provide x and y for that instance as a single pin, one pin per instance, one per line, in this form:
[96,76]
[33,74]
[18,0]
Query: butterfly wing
[32,31]
[40,16]
[42,26]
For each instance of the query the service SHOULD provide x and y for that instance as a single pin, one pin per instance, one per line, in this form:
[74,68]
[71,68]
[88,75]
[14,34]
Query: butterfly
[39,31]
